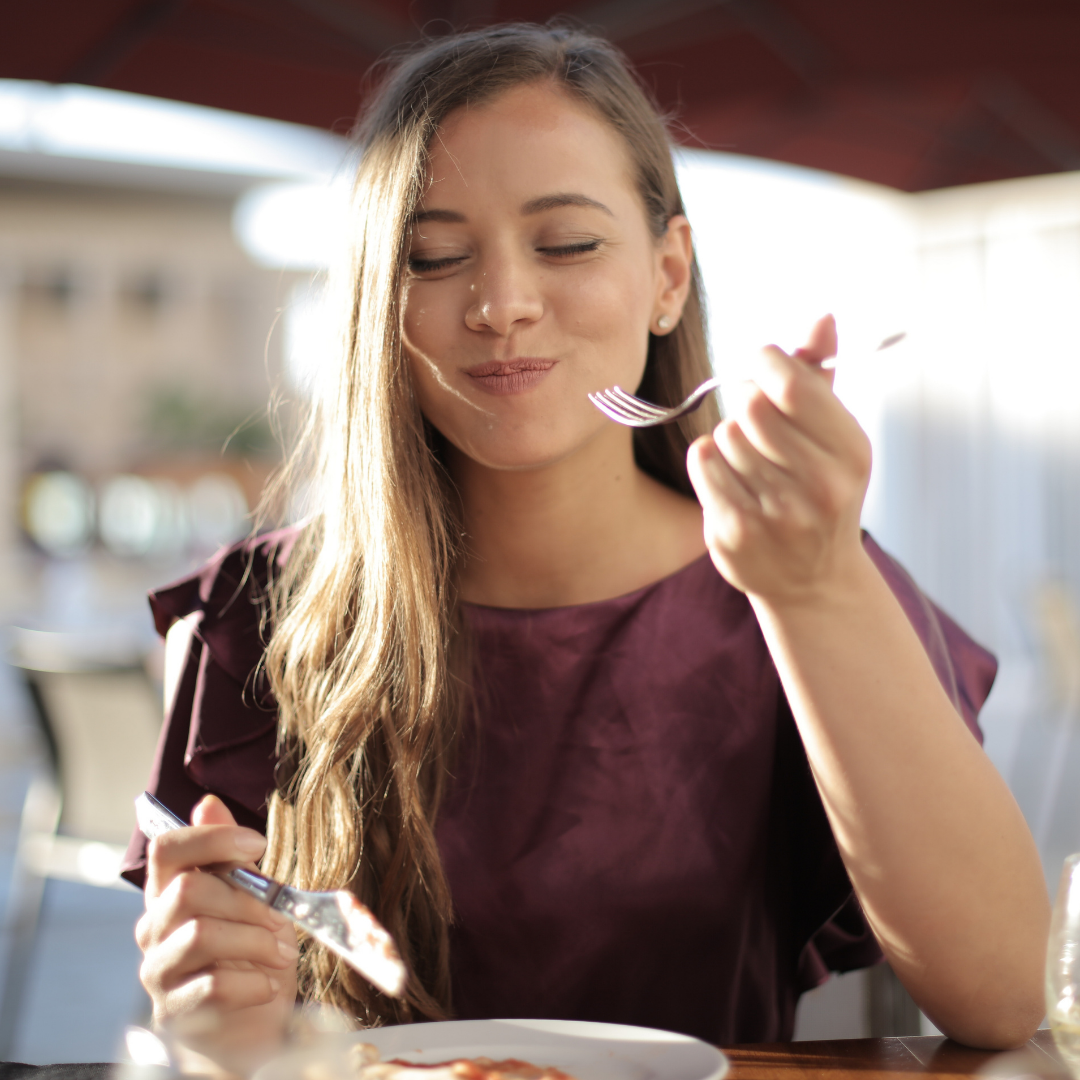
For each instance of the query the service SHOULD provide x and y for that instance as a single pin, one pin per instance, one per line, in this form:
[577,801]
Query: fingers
[802,393]
[755,472]
[796,391]
[210,810]
[770,432]
[822,342]
[792,418]
[172,853]
[727,503]
[764,492]
[204,942]
[197,931]
[193,894]
[787,425]
[227,989]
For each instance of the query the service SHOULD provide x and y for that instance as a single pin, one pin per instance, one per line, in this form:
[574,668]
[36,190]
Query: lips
[510,376]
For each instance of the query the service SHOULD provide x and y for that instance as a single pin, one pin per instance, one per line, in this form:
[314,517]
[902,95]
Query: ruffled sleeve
[966,670]
[829,918]
[221,731]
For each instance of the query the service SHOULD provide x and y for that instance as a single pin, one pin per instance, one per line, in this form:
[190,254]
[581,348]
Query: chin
[517,454]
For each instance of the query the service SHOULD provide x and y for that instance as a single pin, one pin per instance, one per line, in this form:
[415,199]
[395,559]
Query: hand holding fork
[782,479]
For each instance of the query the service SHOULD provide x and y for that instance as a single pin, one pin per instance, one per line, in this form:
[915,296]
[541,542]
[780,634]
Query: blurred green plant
[178,420]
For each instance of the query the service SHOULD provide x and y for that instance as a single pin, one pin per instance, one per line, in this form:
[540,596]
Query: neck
[588,527]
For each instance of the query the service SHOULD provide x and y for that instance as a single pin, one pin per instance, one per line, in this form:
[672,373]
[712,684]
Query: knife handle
[155,818]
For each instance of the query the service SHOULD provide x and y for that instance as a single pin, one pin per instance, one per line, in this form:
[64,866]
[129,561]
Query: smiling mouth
[510,376]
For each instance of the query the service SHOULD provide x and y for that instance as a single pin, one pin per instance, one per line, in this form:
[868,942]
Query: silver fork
[337,919]
[616,404]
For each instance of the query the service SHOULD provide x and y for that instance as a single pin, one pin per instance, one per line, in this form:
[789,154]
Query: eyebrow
[450,216]
[553,202]
[533,206]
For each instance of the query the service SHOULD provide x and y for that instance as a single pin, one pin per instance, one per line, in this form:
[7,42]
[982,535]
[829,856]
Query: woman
[512,704]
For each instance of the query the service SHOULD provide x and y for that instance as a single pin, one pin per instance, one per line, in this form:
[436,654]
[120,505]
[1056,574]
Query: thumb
[210,810]
[822,343]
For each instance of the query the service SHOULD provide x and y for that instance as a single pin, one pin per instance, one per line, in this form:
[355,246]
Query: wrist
[843,588]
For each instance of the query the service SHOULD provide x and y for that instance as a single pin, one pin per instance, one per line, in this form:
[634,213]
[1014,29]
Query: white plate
[584,1050]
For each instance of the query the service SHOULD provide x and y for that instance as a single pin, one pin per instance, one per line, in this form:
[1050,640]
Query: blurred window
[146,293]
[218,511]
[53,286]
[142,517]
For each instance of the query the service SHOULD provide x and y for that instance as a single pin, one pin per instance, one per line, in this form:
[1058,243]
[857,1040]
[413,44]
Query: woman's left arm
[935,845]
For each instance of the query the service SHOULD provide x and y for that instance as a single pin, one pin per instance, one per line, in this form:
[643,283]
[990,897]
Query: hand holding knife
[337,919]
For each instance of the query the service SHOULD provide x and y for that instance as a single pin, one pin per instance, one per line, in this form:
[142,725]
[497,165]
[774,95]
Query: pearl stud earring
[663,323]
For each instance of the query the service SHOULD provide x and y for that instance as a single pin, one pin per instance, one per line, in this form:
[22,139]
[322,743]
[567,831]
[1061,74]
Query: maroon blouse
[632,834]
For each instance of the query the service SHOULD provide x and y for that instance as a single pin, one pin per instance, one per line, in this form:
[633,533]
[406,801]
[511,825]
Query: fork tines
[624,408]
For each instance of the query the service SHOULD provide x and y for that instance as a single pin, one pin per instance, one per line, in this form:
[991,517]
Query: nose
[505,295]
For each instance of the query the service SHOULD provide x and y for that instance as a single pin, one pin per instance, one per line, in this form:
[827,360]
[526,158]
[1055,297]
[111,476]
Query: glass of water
[1063,966]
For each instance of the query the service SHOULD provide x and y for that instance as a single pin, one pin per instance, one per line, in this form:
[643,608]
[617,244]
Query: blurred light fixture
[59,512]
[93,123]
[311,336]
[293,226]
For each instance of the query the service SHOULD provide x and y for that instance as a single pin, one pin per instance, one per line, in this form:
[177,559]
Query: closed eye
[570,249]
[427,266]
[420,265]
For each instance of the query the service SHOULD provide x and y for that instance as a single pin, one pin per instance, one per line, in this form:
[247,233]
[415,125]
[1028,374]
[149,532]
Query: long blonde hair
[367,659]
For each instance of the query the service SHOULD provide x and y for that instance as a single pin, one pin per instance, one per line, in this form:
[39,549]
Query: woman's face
[534,278]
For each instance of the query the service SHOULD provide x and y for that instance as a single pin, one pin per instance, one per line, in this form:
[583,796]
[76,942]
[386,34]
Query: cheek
[611,292]
[428,314]
[611,312]
[420,328]
[438,400]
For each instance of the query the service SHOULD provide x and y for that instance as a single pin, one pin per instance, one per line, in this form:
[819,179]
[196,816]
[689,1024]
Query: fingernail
[275,985]
[250,843]
[714,469]
[288,950]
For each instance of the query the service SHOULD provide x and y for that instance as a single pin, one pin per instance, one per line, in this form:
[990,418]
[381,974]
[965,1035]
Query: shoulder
[244,569]
[227,598]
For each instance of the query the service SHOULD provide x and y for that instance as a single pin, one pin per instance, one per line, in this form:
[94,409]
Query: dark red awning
[916,94]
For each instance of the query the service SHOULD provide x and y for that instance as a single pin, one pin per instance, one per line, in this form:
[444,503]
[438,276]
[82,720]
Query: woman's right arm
[205,943]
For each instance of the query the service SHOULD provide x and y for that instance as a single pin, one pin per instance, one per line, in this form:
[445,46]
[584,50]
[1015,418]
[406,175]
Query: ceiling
[915,94]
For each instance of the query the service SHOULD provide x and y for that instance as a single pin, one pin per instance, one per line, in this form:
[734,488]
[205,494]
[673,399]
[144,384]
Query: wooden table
[870,1059]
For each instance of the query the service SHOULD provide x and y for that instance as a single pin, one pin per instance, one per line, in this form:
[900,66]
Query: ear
[675,257]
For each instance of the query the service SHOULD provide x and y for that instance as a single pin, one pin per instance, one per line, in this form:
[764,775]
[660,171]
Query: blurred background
[171,177]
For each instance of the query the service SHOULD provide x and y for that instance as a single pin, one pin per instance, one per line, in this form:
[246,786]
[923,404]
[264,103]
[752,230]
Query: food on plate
[365,1059]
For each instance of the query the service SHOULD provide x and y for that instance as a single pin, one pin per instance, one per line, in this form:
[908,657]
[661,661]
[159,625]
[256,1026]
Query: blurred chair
[871,1003]
[890,1009]
[99,717]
